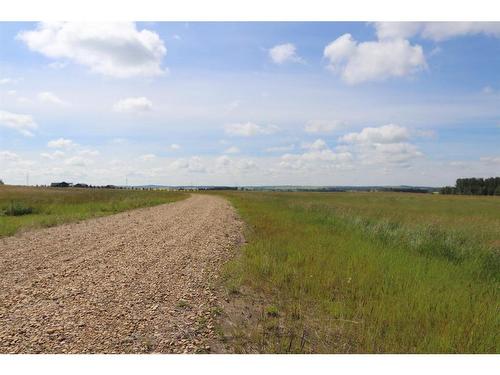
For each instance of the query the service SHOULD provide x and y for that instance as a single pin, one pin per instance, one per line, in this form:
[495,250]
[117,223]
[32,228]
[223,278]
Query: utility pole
[27,178]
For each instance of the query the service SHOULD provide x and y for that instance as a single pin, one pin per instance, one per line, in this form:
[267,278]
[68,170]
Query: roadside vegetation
[24,208]
[366,273]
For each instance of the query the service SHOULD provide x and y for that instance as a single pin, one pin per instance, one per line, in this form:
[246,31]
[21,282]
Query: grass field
[24,208]
[368,273]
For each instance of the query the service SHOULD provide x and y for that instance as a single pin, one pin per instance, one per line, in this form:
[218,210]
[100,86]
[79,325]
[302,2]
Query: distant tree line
[474,186]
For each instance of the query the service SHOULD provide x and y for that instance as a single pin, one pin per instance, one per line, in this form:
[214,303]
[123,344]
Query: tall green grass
[24,208]
[370,273]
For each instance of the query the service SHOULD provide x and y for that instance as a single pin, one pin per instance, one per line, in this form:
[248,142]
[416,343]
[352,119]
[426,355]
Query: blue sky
[249,103]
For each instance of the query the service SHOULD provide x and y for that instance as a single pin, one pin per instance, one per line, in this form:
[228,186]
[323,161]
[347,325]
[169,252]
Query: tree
[1,182]
[475,186]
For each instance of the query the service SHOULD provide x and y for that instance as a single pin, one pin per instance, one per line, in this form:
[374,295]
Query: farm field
[23,208]
[365,273]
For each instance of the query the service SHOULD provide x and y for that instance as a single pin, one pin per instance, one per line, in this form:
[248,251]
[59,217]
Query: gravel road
[136,282]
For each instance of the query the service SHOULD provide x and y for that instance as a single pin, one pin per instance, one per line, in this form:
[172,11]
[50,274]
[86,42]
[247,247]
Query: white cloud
[318,155]
[88,152]
[23,100]
[249,129]
[137,105]
[490,159]
[386,145]
[487,90]
[321,126]
[52,156]
[280,148]
[113,49]
[193,164]
[373,61]
[318,144]
[58,65]
[6,81]
[282,53]
[232,150]
[233,105]
[224,164]
[223,161]
[436,31]
[147,157]
[9,156]
[384,134]
[175,147]
[118,141]
[49,97]
[395,30]
[24,124]
[179,164]
[61,143]
[77,161]
[398,153]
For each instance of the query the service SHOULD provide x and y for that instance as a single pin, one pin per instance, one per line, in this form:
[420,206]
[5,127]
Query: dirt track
[139,281]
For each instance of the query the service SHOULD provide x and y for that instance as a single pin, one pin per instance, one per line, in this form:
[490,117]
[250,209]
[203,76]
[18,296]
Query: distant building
[80,185]
[61,184]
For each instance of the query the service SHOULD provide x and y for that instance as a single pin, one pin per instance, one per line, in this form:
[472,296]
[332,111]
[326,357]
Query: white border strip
[249,10]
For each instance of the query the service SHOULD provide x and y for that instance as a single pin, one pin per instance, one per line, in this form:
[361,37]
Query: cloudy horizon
[326,103]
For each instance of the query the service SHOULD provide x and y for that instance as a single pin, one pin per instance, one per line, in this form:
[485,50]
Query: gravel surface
[136,282]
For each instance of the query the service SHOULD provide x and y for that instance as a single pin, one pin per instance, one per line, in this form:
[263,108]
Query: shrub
[17,209]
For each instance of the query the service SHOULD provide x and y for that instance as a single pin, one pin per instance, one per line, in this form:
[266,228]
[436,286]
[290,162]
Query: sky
[249,103]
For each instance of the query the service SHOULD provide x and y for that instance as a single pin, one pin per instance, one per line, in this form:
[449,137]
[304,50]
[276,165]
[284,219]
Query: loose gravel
[137,282]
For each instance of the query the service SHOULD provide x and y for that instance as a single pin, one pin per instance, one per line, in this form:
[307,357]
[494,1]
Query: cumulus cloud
[282,53]
[225,164]
[61,143]
[249,129]
[147,157]
[9,156]
[88,152]
[77,161]
[280,148]
[24,124]
[137,105]
[395,153]
[49,97]
[318,144]
[436,31]
[175,147]
[6,81]
[317,155]
[490,159]
[53,156]
[321,126]
[373,61]
[232,150]
[384,134]
[114,49]
[193,164]
[386,145]
[58,65]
